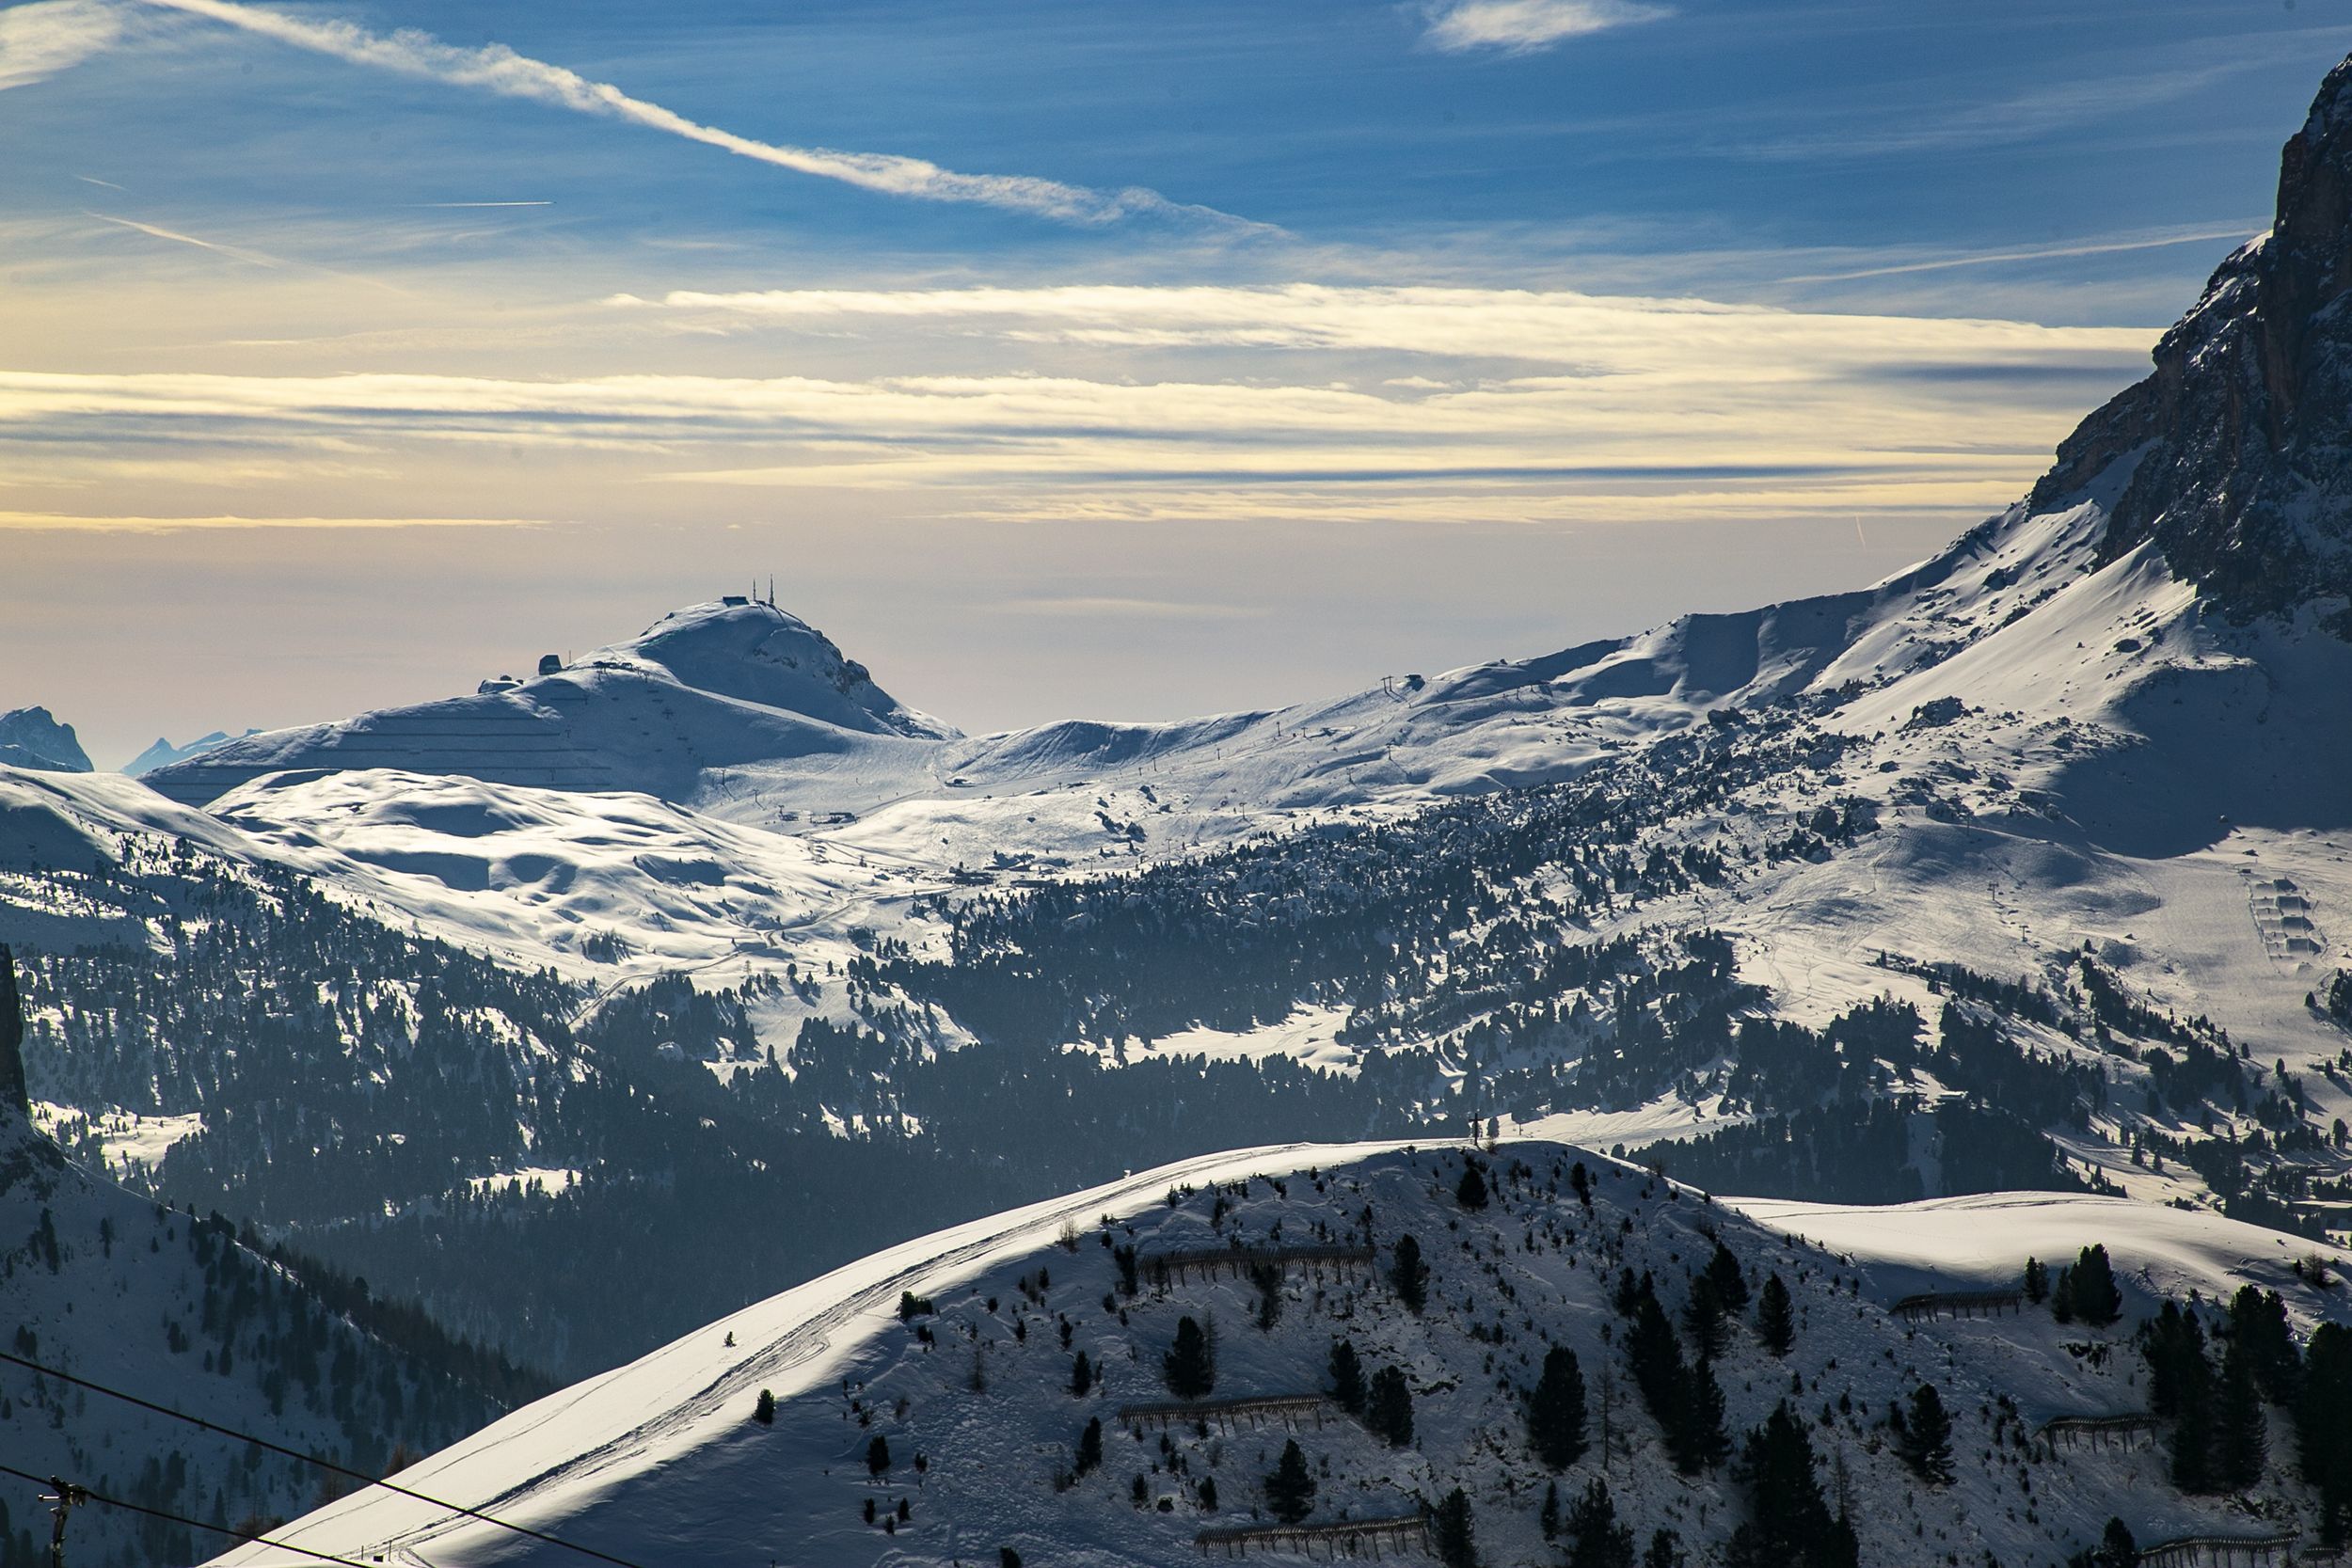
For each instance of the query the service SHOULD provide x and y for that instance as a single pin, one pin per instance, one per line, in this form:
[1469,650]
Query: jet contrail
[494,68]
[258,257]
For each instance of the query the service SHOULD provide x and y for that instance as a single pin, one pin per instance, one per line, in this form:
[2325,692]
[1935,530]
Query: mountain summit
[734,683]
[30,738]
[2241,472]
[755,653]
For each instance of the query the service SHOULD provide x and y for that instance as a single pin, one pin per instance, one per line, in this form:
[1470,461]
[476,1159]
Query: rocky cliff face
[29,737]
[2244,430]
[11,1038]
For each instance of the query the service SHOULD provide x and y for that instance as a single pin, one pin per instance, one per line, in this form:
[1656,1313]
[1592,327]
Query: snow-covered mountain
[2024,868]
[163,753]
[711,689]
[30,738]
[927,1406]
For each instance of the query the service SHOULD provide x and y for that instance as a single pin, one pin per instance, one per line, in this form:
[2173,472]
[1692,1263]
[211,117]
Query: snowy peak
[163,753]
[30,738]
[2241,472]
[731,685]
[755,653]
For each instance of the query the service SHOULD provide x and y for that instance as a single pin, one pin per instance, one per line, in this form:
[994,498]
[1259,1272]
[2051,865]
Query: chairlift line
[74,1495]
[327,1464]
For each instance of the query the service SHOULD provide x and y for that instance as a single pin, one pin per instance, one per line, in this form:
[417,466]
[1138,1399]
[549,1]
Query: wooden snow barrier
[2219,1551]
[1214,1262]
[1959,1304]
[1401,1536]
[2132,1430]
[1291,1410]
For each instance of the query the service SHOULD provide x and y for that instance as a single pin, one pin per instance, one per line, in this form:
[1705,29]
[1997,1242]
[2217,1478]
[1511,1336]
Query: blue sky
[1068,358]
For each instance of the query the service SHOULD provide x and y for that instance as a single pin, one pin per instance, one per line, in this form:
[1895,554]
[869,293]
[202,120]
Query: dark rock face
[29,737]
[11,1038]
[2246,479]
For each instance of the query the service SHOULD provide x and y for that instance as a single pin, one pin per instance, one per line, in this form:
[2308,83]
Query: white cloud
[1522,26]
[1602,335]
[494,68]
[39,41]
[1633,407]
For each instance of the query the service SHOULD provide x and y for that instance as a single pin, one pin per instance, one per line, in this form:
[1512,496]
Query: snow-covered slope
[969,1386]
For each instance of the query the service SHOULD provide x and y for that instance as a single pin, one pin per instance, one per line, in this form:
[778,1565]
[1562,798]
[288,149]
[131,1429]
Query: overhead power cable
[86,1495]
[328,1464]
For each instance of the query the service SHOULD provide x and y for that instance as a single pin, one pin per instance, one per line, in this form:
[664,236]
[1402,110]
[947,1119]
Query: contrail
[494,68]
[258,257]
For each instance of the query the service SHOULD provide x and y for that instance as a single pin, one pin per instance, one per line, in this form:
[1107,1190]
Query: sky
[1058,357]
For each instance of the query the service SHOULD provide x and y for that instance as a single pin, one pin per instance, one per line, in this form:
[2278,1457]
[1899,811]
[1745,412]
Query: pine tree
[2037,1282]
[1391,1413]
[1596,1539]
[1452,1533]
[1267,1278]
[1788,1524]
[1409,1274]
[1091,1446]
[1208,1493]
[2323,1428]
[1289,1490]
[1190,1365]
[2258,1320]
[1470,1191]
[2193,1427]
[2116,1549]
[1703,1316]
[765,1411]
[2174,1345]
[1580,1182]
[1548,1517]
[2097,1301]
[2241,1434]
[1776,1319]
[1347,1378]
[1655,1357]
[1081,1375]
[1699,1442]
[878,1456]
[2062,1296]
[1923,1439]
[1665,1550]
[1732,1286]
[1555,1410]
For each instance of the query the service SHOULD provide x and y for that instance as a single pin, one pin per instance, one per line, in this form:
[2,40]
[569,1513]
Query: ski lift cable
[328,1464]
[86,1495]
